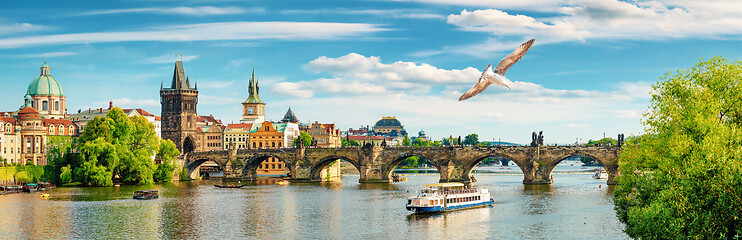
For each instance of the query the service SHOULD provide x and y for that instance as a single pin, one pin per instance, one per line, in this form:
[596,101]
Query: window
[28,145]
[273,144]
[44,105]
[253,144]
[56,106]
[279,166]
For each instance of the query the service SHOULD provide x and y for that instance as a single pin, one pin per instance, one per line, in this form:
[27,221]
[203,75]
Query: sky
[589,73]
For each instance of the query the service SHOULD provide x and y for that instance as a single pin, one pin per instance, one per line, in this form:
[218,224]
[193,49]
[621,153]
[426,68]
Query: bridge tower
[179,111]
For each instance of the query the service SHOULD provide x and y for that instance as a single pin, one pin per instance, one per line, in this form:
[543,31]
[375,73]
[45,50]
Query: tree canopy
[471,139]
[114,146]
[682,178]
[305,139]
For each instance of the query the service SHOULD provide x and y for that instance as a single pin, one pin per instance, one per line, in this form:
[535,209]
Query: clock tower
[253,109]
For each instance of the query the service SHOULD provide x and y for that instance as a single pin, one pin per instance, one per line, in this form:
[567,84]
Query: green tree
[471,139]
[406,141]
[421,143]
[603,142]
[352,143]
[305,138]
[166,153]
[682,178]
[66,175]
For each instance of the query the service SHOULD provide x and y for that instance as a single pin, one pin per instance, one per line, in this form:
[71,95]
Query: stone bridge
[375,164]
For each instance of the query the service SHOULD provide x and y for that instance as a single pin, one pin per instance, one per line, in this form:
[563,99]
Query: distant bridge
[376,164]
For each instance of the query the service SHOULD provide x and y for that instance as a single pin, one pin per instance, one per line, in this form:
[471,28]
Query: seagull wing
[514,57]
[481,85]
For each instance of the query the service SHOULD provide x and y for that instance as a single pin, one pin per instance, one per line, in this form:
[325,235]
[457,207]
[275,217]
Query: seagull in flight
[497,76]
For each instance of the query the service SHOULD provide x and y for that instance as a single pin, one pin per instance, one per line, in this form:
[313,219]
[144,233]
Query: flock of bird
[497,76]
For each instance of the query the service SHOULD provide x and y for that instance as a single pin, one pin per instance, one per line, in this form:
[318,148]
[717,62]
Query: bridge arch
[250,165]
[388,168]
[316,171]
[605,163]
[468,167]
[193,164]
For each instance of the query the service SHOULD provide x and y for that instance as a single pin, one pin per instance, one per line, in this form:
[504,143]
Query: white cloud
[387,13]
[289,31]
[44,55]
[129,103]
[194,11]
[583,20]
[575,125]
[626,114]
[168,58]
[6,29]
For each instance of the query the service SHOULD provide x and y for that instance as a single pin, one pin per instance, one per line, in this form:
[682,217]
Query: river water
[574,207]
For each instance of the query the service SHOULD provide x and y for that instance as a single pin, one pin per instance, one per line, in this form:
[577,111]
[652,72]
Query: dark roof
[180,81]
[289,117]
[388,122]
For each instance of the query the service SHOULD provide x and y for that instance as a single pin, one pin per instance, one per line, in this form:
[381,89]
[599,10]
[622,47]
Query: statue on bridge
[383,143]
[620,140]
[537,139]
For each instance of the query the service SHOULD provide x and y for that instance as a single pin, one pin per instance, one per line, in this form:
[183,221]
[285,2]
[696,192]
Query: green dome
[45,84]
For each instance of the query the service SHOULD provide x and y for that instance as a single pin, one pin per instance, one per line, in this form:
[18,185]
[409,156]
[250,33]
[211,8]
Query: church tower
[179,111]
[253,109]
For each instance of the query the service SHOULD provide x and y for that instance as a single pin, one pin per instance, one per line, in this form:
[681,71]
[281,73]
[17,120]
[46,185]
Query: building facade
[237,135]
[266,135]
[179,115]
[325,134]
[25,136]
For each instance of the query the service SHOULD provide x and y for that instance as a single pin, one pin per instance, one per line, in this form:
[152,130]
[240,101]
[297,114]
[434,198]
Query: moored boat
[146,194]
[229,186]
[442,197]
[600,174]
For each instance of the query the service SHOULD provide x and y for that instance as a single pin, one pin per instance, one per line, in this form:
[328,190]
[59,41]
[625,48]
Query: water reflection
[574,208]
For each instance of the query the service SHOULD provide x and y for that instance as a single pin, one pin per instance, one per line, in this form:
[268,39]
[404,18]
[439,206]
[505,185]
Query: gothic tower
[253,109]
[179,111]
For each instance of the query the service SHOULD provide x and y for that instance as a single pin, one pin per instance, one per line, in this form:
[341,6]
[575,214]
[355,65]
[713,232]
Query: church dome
[421,133]
[45,84]
[388,122]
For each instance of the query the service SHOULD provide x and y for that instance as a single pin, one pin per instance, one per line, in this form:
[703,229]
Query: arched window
[44,105]
[260,144]
[61,130]
[28,145]
[273,144]
[279,144]
[253,144]
[56,106]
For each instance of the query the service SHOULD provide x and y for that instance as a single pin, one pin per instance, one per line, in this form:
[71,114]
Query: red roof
[210,119]
[64,122]
[158,118]
[8,120]
[247,126]
[28,110]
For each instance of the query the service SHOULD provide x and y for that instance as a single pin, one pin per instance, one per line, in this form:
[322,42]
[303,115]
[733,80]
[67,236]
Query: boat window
[409,201]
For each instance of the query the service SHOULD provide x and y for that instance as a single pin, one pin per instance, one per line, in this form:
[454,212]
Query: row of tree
[114,147]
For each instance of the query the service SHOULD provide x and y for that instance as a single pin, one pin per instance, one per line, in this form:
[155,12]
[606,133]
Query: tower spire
[253,89]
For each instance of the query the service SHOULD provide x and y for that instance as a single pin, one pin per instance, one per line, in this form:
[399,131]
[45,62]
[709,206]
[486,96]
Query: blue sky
[350,62]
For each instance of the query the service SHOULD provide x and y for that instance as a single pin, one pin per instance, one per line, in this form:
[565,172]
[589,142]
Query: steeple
[253,89]
[289,117]
[180,81]
[45,71]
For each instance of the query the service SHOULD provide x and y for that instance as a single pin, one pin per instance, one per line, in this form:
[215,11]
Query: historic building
[421,135]
[324,134]
[266,135]
[375,140]
[81,118]
[179,111]
[24,134]
[45,95]
[389,125]
[253,109]
[237,135]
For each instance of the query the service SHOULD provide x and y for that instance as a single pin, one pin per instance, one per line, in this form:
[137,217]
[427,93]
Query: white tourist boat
[600,174]
[441,197]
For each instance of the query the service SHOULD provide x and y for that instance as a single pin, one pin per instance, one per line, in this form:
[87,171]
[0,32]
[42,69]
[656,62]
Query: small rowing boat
[229,186]
[146,194]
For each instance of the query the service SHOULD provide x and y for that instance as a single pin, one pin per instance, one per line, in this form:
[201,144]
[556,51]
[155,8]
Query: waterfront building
[388,125]
[211,137]
[253,109]
[237,135]
[325,134]
[26,136]
[45,95]
[81,118]
[375,140]
[265,135]
[179,115]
